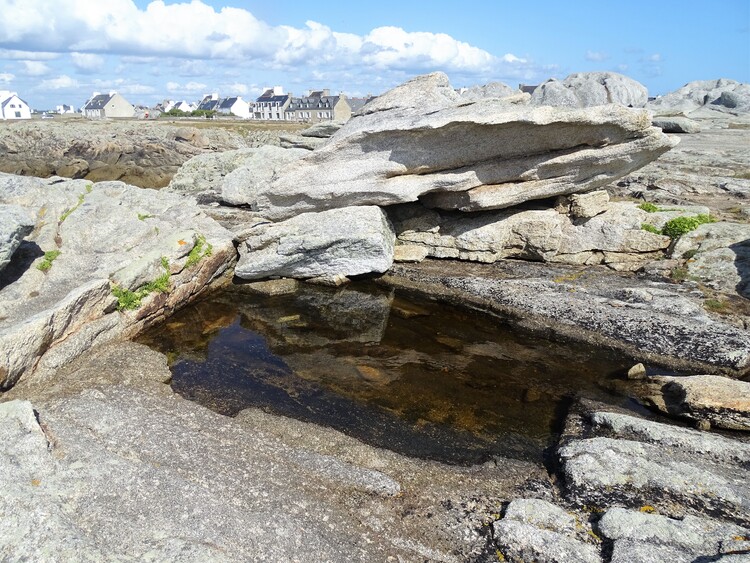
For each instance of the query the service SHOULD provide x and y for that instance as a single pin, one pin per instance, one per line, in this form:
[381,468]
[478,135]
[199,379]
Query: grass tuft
[49,257]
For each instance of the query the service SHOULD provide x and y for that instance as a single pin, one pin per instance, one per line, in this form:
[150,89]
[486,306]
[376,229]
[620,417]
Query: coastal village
[272,105]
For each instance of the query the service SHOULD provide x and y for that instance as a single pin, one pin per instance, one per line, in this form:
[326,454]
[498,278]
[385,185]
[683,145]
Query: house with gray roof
[318,106]
[272,104]
[111,106]
[235,106]
[13,107]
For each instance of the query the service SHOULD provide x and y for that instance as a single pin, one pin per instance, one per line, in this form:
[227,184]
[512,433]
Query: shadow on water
[417,377]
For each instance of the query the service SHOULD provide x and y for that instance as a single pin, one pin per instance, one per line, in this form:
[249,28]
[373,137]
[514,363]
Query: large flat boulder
[587,89]
[348,241]
[97,248]
[422,140]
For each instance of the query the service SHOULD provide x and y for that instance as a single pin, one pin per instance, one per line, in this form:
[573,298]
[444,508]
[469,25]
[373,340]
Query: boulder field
[492,199]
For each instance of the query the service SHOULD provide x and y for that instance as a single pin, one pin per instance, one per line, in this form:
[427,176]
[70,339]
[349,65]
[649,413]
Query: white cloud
[16,55]
[511,58]
[197,31]
[35,68]
[236,89]
[654,58]
[6,77]
[61,82]
[87,62]
[596,56]
[189,87]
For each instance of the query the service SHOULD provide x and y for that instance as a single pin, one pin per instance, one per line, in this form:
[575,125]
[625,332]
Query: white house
[13,107]
[107,105]
[235,106]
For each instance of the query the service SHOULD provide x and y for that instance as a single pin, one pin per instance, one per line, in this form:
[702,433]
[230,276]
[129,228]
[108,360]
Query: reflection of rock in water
[427,380]
[317,317]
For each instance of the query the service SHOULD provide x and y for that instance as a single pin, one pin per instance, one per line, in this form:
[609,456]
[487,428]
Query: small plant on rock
[650,228]
[678,226]
[129,300]
[649,207]
[49,257]
[201,249]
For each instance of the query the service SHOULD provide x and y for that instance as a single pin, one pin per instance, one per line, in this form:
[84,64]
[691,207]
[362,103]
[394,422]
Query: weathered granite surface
[97,237]
[15,224]
[652,321]
[588,89]
[113,466]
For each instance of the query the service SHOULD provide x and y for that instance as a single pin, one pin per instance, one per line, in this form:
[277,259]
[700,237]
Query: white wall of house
[13,107]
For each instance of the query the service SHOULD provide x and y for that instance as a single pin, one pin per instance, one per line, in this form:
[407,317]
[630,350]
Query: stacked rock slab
[423,142]
[488,154]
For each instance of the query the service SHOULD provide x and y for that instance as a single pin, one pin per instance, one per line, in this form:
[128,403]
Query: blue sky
[60,51]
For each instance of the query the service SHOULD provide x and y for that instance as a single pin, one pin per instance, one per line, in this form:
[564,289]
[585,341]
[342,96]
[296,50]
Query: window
[18,114]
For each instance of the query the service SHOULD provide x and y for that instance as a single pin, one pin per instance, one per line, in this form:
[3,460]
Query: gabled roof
[269,97]
[209,105]
[98,102]
[12,95]
[313,102]
[227,103]
[358,103]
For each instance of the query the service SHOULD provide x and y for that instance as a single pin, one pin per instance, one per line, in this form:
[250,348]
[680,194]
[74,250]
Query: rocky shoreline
[104,462]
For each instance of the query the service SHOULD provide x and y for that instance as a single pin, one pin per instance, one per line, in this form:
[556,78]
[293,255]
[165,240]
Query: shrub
[678,226]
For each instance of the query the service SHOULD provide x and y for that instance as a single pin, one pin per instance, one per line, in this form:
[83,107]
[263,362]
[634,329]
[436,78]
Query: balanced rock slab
[487,154]
[348,241]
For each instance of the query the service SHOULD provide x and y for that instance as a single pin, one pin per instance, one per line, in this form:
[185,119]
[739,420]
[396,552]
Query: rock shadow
[742,265]
[21,261]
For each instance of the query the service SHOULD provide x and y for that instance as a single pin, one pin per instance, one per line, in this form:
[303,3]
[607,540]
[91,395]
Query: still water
[411,375]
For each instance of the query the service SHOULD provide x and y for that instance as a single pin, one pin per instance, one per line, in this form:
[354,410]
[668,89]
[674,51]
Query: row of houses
[273,105]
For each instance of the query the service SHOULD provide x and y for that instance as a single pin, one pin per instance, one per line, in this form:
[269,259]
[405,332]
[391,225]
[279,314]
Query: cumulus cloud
[35,68]
[198,31]
[60,83]
[87,62]
[6,77]
[596,56]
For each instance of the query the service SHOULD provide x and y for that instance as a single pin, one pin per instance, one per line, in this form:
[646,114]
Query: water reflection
[417,377]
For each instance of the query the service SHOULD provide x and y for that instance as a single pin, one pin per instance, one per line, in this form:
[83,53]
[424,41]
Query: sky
[56,52]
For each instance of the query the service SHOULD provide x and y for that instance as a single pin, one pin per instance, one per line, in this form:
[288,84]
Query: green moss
[89,188]
[144,216]
[201,249]
[678,226]
[648,207]
[49,257]
[650,229]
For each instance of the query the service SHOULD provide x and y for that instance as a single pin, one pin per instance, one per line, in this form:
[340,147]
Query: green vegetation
[715,305]
[688,254]
[128,299]
[49,257]
[201,249]
[174,112]
[679,274]
[649,207]
[675,228]
[67,212]
[678,226]
[144,216]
